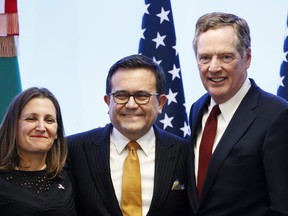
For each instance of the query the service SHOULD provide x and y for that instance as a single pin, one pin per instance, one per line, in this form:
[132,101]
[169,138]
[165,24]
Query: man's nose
[215,65]
[131,102]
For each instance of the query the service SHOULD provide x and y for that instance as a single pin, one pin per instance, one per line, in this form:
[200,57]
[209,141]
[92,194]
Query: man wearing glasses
[97,158]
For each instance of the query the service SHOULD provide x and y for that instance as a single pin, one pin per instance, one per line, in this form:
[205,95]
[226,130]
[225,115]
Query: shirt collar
[147,142]
[229,107]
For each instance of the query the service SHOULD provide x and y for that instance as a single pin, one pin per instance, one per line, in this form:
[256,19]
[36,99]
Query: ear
[162,100]
[107,99]
[248,57]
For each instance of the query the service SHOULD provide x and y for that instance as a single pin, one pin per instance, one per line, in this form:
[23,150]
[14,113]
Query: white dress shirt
[146,155]
[227,111]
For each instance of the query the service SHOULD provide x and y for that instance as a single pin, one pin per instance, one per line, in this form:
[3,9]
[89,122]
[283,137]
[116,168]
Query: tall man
[245,171]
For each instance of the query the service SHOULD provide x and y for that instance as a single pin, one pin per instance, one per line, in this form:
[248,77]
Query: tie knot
[215,111]
[132,145]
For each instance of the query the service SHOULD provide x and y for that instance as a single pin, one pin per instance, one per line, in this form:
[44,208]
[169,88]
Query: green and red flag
[10,82]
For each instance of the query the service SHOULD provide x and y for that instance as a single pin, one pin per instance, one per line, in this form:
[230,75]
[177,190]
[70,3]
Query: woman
[32,154]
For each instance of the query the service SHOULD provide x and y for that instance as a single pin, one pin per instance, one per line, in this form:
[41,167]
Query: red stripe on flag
[10,6]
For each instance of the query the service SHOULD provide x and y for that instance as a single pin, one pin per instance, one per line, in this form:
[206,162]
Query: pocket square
[177,186]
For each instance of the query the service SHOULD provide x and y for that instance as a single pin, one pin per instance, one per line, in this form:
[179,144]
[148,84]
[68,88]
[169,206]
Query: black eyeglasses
[140,97]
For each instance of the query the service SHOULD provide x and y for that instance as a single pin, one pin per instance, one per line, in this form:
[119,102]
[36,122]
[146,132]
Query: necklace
[42,168]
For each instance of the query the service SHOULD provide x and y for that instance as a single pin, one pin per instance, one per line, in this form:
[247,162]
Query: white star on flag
[159,40]
[142,33]
[171,97]
[175,72]
[176,50]
[158,62]
[186,129]
[163,15]
[284,56]
[280,82]
[167,121]
[146,9]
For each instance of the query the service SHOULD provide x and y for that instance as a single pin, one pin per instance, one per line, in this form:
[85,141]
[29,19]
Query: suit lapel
[233,133]
[195,120]
[165,162]
[192,194]
[97,154]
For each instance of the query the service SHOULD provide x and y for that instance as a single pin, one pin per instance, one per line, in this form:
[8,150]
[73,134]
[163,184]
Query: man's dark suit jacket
[248,173]
[88,161]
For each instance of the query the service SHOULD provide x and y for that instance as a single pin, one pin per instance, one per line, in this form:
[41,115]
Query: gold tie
[131,183]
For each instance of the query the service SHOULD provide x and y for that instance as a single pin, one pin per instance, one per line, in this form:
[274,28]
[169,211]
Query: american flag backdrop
[158,41]
[283,86]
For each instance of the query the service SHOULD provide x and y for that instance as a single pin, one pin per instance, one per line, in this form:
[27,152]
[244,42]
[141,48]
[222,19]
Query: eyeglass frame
[148,94]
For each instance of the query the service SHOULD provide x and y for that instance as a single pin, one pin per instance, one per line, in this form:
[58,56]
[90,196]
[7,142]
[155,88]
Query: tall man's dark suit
[248,173]
[89,164]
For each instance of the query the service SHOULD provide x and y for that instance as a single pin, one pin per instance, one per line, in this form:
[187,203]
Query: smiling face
[131,119]
[37,128]
[222,69]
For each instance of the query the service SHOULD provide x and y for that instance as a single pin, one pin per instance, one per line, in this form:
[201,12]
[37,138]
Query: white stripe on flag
[2,6]
[3,25]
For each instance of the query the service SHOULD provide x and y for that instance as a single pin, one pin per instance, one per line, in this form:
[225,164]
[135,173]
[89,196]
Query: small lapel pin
[61,187]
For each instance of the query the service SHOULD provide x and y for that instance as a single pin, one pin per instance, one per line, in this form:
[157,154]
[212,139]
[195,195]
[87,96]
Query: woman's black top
[30,193]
